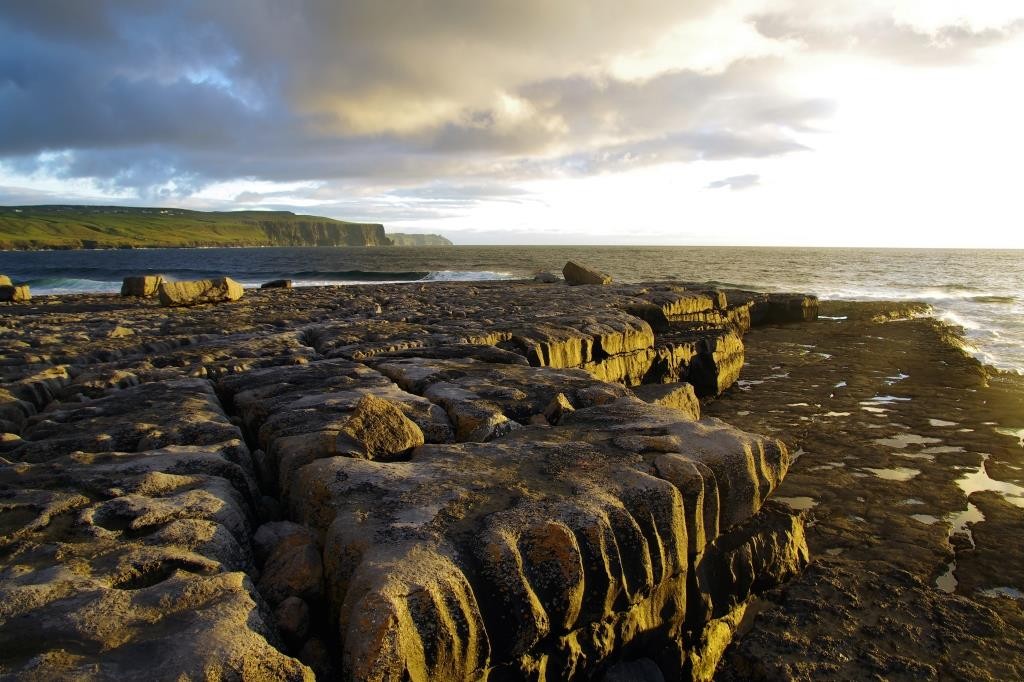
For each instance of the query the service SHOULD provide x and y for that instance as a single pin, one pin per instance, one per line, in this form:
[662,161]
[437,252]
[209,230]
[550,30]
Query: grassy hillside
[75,227]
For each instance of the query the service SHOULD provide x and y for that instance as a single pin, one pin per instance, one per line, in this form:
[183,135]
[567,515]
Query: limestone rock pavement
[443,481]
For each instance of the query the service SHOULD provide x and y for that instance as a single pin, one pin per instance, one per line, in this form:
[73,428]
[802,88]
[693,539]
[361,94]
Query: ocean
[981,291]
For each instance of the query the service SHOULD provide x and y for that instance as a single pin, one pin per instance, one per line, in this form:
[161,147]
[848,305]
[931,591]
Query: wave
[731,285]
[467,276]
[352,277]
[71,285]
[955,287]
[356,275]
[959,320]
[81,285]
[993,299]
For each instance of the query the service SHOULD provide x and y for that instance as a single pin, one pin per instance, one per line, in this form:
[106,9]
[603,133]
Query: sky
[754,122]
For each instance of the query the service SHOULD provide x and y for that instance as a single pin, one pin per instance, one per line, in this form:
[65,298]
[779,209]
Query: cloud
[736,182]
[420,102]
[899,32]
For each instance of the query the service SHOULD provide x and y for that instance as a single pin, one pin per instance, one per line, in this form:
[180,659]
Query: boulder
[784,308]
[679,396]
[15,294]
[277,284]
[199,291]
[316,655]
[293,569]
[270,535]
[5,281]
[142,286]
[378,429]
[580,274]
[292,620]
[558,406]
[546,278]
[120,332]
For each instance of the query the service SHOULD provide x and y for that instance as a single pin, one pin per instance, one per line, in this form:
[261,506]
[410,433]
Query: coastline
[978,290]
[234,360]
[912,477]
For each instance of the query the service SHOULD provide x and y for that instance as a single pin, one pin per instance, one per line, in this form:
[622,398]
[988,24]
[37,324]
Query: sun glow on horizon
[746,122]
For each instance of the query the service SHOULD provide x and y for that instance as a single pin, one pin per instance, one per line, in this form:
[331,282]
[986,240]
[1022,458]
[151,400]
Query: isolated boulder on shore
[14,294]
[378,429]
[200,291]
[5,281]
[277,284]
[580,274]
[142,286]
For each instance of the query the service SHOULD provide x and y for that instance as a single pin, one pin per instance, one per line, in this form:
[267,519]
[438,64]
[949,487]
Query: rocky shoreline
[500,480]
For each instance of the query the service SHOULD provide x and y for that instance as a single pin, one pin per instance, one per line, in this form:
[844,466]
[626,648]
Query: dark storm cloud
[454,98]
[736,182]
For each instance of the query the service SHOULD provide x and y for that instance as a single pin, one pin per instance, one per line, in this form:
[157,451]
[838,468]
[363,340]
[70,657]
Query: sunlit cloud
[469,118]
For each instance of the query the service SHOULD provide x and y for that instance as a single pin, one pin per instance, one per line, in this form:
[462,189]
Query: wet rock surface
[909,472]
[445,481]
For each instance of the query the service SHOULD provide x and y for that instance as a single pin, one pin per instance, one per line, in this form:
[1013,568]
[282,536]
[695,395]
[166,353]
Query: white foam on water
[467,276]
[1008,592]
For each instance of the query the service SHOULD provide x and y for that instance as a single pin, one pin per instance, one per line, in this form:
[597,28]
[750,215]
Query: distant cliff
[401,239]
[323,232]
[109,227]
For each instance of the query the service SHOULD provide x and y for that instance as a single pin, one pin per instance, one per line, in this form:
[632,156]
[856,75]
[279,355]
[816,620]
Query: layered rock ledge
[448,481]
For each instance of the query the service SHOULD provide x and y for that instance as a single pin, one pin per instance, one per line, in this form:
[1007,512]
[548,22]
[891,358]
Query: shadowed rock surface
[909,473]
[15,294]
[576,274]
[443,481]
[143,285]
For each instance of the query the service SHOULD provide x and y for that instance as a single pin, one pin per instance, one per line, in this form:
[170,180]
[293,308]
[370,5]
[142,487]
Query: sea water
[981,291]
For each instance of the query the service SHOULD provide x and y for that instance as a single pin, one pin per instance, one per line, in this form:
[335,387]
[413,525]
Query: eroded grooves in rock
[573,541]
[112,553]
[226,485]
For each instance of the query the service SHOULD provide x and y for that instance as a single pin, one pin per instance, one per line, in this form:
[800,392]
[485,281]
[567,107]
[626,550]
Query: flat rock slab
[547,524]
[109,558]
[483,399]
[144,417]
[500,554]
